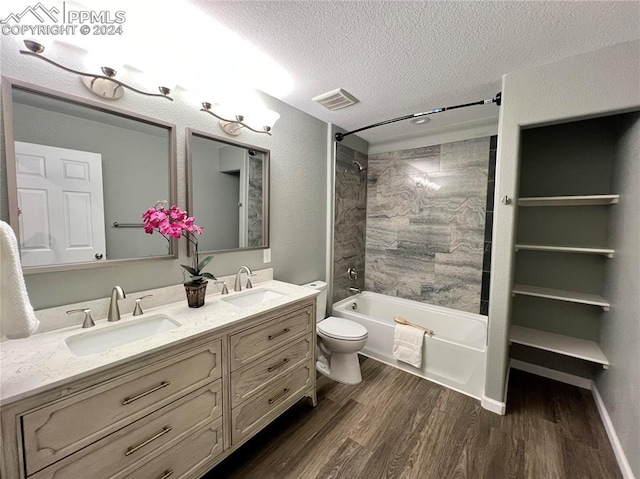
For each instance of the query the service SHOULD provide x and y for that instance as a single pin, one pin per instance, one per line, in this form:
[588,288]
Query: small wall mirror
[228,192]
[79,177]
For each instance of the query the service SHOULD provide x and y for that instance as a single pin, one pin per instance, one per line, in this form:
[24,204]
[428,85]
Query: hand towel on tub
[407,344]
[17,319]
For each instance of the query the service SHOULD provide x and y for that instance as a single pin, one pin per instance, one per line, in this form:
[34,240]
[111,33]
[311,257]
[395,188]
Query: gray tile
[465,154]
[426,244]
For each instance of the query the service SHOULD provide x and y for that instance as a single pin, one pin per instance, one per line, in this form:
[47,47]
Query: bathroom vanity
[171,405]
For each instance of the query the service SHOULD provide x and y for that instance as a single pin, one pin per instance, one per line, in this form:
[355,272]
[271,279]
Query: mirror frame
[189,134]
[8,85]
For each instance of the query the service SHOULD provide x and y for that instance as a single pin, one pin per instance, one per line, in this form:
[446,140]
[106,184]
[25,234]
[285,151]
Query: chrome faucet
[114,311]
[238,284]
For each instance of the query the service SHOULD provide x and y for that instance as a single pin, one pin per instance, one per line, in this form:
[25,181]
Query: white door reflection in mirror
[61,205]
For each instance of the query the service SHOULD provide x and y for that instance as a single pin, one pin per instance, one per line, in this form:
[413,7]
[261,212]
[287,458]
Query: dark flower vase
[195,293]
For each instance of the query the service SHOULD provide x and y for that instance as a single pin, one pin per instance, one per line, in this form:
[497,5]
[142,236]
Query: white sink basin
[111,336]
[251,298]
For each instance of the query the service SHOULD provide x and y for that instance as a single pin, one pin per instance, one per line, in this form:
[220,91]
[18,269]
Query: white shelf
[561,295]
[558,343]
[566,249]
[590,200]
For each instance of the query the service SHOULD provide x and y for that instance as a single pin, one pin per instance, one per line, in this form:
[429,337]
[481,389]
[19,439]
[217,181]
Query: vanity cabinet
[268,377]
[173,413]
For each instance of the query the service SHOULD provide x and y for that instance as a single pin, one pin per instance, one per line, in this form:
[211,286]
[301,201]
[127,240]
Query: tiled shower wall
[349,221]
[425,223]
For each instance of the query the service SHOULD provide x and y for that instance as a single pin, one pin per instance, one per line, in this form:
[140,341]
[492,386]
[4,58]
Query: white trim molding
[621,457]
[494,406]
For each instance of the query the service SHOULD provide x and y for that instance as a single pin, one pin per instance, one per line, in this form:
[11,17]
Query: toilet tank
[321,299]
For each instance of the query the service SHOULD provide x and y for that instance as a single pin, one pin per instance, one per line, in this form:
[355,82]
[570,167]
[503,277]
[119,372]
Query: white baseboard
[621,457]
[563,377]
[493,405]
[583,383]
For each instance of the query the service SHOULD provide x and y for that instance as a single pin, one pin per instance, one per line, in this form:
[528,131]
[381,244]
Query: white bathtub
[453,357]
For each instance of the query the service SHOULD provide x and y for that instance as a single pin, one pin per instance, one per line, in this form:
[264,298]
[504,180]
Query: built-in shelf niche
[564,216]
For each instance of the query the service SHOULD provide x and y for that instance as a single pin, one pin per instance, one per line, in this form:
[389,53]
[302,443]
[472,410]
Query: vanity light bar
[104,86]
[233,127]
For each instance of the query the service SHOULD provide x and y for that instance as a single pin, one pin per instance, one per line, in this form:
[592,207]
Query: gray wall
[215,197]
[620,337]
[298,190]
[134,171]
[350,221]
[427,244]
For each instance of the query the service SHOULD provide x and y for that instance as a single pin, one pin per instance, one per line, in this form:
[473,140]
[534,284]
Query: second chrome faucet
[114,311]
[238,284]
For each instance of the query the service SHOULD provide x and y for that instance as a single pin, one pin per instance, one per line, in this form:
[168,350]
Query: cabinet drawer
[251,378]
[255,413]
[248,345]
[124,449]
[93,413]
[186,457]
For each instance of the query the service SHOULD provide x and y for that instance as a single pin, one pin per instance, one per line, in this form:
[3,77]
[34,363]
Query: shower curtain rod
[497,100]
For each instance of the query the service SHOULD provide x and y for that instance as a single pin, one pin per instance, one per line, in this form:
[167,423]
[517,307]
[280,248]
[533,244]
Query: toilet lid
[340,328]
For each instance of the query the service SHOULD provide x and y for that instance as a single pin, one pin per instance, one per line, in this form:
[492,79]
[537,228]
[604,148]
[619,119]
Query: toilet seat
[340,328]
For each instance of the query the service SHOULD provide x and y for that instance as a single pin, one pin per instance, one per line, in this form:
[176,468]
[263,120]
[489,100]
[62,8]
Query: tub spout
[355,290]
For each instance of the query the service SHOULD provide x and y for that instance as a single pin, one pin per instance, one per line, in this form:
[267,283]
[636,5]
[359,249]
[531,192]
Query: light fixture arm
[206,107]
[103,77]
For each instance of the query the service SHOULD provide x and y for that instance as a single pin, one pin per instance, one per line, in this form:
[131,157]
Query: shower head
[359,168]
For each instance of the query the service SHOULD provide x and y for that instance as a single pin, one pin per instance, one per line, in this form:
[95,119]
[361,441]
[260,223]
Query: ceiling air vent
[336,99]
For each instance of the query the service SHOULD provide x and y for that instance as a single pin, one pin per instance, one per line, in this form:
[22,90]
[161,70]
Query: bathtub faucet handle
[353,274]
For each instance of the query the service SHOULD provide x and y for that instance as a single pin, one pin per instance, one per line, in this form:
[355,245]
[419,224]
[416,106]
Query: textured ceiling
[402,57]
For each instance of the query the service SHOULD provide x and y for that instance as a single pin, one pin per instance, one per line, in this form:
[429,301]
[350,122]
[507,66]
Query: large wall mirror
[80,175]
[228,192]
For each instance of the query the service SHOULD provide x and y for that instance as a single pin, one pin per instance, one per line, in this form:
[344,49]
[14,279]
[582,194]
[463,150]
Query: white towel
[17,319]
[407,344]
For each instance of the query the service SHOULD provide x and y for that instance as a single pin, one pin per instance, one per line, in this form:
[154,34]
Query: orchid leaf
[209,275]
[191,271]
[204,262]
[196,279]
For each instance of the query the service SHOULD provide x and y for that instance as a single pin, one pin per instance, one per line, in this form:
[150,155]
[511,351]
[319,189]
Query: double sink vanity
[169,393]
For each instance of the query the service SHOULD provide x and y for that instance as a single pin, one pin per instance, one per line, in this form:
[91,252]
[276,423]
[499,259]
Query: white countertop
[43,361]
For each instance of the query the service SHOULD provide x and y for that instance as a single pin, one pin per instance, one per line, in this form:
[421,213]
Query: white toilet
[339,341]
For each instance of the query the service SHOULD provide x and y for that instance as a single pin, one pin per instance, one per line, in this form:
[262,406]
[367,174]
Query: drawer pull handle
[167,473]
[274,336]
[133,449]
[163,384]
[277,366]
[278,396]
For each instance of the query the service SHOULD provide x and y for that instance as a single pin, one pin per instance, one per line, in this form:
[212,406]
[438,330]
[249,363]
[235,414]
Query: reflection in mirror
[228,192]
[80,176]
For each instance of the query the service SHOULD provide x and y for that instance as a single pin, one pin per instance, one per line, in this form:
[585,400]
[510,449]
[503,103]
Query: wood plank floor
[395,425]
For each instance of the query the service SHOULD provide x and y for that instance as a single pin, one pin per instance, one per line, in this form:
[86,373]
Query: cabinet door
[94,413]
[248,345]
[248,380]
[257,412]
[149,436]
[185,458]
